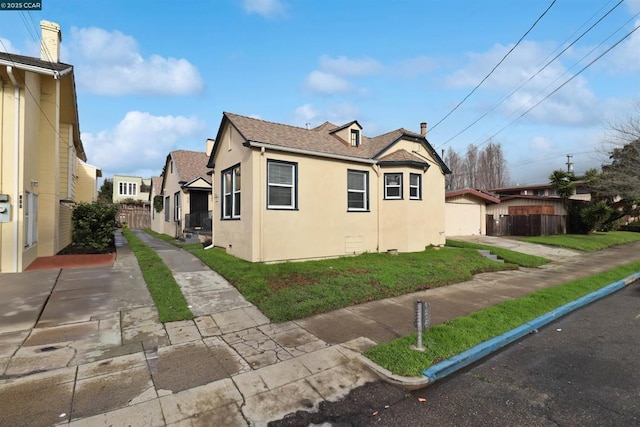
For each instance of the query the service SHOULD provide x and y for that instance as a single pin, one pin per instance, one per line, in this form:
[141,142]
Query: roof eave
[410,163]
[256,144]
[34,69]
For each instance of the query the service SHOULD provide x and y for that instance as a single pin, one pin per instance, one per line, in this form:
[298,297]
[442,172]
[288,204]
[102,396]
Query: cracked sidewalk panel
[256,348]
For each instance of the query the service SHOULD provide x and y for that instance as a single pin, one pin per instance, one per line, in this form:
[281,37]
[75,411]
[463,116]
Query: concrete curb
[455,363]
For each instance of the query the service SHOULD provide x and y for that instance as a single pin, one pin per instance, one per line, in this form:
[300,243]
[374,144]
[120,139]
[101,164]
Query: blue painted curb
[446,367]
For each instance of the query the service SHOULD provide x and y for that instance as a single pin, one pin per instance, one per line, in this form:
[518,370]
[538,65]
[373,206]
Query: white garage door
[462,219]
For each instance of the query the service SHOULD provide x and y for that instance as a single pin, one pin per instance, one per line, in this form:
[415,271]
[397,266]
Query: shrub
[93,226]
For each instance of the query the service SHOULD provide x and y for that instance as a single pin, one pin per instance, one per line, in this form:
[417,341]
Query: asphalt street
[583,369]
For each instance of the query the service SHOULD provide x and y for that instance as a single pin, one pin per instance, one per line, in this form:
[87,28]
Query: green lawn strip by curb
[294,290]
[518,258]
[164,290]
[586,243]
[460,334]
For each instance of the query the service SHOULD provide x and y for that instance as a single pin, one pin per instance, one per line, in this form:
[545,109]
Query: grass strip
[164,290]
[459,334]
[294,290]
[507,255]
[587,243]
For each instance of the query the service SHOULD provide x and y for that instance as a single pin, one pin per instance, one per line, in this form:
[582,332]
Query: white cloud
[414,67]
[140,141]
[266,8]
[306,113]
[541,143]
[573,104]
[633,5]
[626,56]
[109,63]
[343,66]
[6,46]
[327,83]
[331,77]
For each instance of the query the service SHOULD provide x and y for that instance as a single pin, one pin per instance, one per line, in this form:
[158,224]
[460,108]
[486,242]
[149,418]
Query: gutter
[47,71]
[447,367]
[256,144]
[16,161]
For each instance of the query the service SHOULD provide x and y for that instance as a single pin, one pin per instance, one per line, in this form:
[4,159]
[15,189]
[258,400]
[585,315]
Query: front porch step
[487,254]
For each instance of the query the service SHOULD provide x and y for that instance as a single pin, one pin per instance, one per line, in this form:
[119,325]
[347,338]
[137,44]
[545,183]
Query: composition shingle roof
[156,184]
[190,165]
[13,59]
[321,139]
[401,156]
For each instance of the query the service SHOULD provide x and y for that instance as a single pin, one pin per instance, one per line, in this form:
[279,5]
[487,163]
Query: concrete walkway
[85,346]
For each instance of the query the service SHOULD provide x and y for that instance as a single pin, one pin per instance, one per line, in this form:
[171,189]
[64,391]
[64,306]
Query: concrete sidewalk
[85,346]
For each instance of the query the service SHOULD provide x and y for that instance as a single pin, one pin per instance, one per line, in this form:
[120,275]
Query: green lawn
[294,290]
[586,243]
[512,257]
[460,334]
[162,286]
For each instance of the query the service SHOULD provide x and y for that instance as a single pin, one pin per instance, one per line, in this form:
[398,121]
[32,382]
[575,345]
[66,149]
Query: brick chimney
[51,38]
[423,128]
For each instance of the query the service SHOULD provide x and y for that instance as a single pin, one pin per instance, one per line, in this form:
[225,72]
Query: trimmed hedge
[93,227]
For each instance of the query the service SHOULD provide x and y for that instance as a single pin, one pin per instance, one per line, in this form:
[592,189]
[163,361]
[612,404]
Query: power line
[565,83]
[532,76]
[495,67]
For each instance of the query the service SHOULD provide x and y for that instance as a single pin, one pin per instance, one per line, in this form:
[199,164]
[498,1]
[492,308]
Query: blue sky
[154,75]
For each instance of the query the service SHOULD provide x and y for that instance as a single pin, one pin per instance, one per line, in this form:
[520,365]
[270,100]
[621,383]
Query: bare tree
[471,160]
[483,169]
[455,180]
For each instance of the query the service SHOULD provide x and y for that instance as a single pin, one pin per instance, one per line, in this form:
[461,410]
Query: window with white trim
[281,185]
[393,186]
[415,186]
[357,190]
[167,208]
[30,219]
[231,193]
[176,206]
[127,188]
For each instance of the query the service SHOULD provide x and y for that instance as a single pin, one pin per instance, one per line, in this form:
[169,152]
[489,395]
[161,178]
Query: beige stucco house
[186,191]
[40,147]
[87,182]
[291,193]
[466,212]
[128,187]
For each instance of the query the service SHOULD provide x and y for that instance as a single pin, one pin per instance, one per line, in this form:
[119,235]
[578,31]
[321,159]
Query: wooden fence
[137,217]
[526,225]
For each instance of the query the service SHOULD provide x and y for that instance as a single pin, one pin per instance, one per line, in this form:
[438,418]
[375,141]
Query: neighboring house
[466,212]
[157,204]
[543,190]
[40,136]
[126,187]
[291,193]
[186,189]
[87,182]
[522,215]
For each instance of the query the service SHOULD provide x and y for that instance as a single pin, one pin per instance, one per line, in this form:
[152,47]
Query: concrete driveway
[550,252]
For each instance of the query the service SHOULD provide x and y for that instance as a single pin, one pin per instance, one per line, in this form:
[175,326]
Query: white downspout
[16,166]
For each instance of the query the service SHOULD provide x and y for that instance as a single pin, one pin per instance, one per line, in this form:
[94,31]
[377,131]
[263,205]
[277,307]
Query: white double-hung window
[357,191]
[231,193]
[415,186]
[281,185]
[393,186]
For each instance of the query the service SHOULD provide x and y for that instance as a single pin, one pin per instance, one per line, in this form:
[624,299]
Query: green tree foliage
[563,183]
[619,182]
[105,194]
[93,227]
